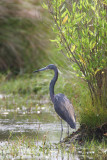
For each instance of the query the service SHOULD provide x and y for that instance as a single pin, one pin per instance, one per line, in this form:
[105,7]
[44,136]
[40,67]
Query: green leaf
[64,14]
[72,48]
[90,32]
[62,8]
[44,5]
[74,7]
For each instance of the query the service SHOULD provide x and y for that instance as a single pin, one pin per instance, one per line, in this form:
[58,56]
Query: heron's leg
[61,126]
[61,130]
[68,129]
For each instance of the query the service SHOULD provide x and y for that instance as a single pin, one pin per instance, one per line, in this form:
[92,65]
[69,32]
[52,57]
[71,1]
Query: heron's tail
[72,124]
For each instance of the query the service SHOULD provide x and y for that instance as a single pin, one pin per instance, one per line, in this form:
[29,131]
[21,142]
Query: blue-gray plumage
[62,105]
[64,109]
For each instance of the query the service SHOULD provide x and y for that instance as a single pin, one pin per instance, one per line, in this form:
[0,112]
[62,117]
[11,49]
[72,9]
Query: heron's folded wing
[64,108]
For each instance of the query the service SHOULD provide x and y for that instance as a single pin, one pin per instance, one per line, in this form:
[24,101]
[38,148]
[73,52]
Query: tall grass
[23,35]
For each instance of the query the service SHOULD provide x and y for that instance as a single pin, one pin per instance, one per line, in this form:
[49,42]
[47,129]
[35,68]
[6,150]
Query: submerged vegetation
[23,147]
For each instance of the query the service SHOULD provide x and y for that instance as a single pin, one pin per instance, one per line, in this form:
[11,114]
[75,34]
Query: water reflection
[35,133]
[31,126]
[35,123]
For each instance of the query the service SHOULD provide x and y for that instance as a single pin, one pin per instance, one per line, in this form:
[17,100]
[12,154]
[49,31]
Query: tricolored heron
[62,105]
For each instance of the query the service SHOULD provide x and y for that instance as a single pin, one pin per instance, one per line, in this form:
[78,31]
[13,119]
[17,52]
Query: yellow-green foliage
[80,28]
[93,116]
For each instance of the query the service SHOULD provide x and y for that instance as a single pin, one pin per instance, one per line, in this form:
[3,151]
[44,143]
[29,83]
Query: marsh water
[34,133]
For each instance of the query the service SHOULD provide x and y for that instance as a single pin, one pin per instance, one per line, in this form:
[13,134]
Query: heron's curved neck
[52,84]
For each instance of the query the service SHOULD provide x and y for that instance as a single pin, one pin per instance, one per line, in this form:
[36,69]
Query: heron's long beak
[42,69]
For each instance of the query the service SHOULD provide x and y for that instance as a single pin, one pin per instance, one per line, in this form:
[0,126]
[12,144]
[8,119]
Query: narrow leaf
[65,19]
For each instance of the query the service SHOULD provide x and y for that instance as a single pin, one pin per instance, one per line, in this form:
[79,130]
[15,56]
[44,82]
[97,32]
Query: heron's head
[50,66]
